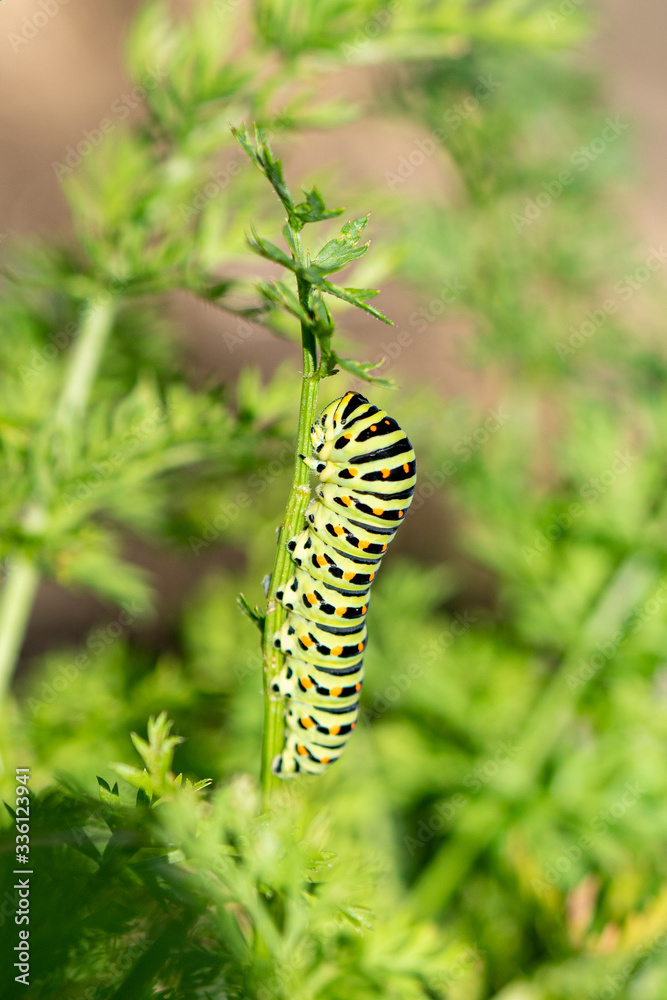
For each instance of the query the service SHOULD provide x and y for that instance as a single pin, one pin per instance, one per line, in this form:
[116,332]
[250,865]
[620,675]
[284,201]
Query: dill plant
[427,866]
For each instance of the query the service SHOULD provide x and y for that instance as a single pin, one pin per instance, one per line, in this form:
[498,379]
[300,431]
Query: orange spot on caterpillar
[348,576]
[336,692]
[311,598]
[347,501]
[353,472]
[363,544]
[360,647]
[385,473]
[307,722]
[406,467]
[374,428]
[384,548]
[348,436]
[324,760]
[387,421]
[401,513]
[338,530]
[357,687]
[302,750]
[372,576]
[378,511]
[307,641]
[353,725]
[321,561]
[364,609]
[341,612]
[337,650]
[334,730]
[306,683]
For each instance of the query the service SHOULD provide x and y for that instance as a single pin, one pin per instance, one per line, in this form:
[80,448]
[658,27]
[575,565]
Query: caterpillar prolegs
[366,468]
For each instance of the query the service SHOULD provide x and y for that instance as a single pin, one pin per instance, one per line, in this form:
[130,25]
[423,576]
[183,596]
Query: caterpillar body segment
[320,602]
[369,509]
[366,469]
[343,535]
[324,562]
[324,648]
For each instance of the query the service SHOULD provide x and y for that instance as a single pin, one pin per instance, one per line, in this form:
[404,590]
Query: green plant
[498,831]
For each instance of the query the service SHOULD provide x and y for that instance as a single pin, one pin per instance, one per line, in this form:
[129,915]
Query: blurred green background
[496,829]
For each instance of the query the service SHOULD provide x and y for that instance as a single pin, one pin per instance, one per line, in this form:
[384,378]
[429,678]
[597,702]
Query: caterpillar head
[332,418]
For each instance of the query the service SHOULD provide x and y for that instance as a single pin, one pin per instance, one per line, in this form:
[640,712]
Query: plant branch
[85,360]
[22,579]
[16,600]
[297,502]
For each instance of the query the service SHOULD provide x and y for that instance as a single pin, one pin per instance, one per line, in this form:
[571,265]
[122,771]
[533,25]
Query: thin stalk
[20,587]
[85,359]
[273,736]
[16,601]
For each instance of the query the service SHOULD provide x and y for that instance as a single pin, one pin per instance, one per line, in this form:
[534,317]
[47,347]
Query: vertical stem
[272,742]
[20,587]
[16,600]
[85,359]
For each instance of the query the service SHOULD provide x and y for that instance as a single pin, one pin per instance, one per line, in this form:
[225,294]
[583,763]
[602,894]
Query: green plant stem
[85,359]
[273,736]
[16,600]
[22,580]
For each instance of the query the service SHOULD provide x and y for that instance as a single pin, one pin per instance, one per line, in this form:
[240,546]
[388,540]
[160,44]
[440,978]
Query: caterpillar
[366,469]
